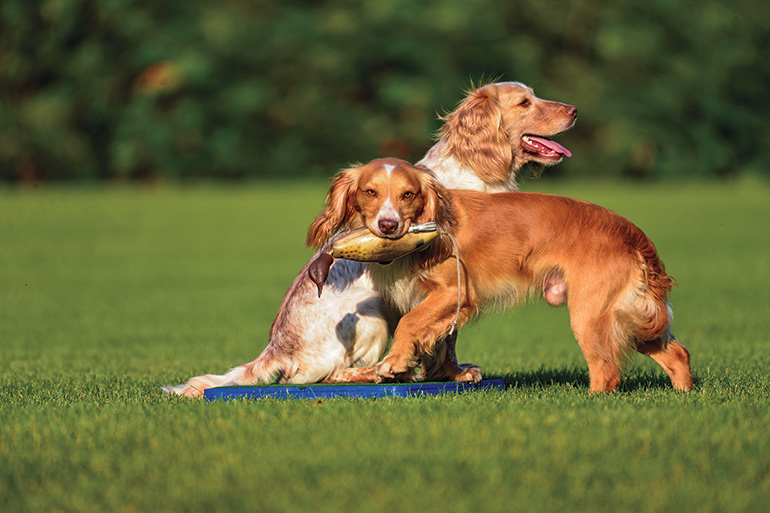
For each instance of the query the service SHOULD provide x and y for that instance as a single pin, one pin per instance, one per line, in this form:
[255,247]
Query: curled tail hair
[656,286]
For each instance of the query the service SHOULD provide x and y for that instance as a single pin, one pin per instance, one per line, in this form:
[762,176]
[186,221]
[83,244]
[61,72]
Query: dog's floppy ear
[338,210]
[437,207]
[475,134]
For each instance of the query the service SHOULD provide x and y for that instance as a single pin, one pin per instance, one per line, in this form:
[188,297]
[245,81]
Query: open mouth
[544,148]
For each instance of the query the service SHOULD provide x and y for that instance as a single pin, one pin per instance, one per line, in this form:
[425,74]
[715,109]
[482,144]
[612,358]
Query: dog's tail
[262,370]
[643,312]
[649,311]
[653,304]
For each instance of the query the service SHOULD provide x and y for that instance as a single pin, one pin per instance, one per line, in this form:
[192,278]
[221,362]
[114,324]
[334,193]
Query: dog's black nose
[387,226]
[572,111]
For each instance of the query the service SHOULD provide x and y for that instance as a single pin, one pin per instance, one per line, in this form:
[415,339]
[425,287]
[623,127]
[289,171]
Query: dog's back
[533,231]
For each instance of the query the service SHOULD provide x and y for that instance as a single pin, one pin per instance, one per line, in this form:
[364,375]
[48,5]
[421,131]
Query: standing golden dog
[510,245]
[495,131]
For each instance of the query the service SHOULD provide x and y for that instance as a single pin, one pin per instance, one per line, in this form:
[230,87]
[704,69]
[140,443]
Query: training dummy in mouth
[362,245]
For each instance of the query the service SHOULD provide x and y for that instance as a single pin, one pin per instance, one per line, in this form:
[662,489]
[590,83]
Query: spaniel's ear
[437,208]
[338,210]
[475,135]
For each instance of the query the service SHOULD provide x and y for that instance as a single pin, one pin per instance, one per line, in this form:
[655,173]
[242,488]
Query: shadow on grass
[578,378]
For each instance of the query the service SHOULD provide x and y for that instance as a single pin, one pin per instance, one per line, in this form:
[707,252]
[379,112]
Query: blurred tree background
[184,89]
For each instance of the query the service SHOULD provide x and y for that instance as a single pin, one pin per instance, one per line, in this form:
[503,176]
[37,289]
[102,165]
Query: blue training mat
[365,391]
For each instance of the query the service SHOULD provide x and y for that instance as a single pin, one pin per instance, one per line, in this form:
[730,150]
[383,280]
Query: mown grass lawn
[108,293]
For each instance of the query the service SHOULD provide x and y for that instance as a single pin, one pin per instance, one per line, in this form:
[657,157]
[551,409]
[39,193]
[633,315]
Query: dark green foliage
[126,89]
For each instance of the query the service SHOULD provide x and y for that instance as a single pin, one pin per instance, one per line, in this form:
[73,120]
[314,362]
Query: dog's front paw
[389,370]
[385,371]
[470,373]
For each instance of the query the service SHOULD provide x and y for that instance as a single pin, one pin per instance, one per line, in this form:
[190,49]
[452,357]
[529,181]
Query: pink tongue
[551,145]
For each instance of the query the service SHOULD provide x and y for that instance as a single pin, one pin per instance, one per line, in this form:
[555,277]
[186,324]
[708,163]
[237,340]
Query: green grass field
[108,293]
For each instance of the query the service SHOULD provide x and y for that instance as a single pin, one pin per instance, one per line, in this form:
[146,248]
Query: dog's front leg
[442,365]
[419,330]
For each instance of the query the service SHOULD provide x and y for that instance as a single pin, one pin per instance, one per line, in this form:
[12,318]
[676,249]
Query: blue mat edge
[364,391]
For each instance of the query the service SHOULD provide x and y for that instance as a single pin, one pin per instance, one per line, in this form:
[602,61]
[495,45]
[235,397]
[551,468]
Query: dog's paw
[419,374]
[390,370]
[385,371]
[470,373]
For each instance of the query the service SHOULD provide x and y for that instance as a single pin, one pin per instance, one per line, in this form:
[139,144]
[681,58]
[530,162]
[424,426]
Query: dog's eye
[524,103]
[370,192]
[407,195]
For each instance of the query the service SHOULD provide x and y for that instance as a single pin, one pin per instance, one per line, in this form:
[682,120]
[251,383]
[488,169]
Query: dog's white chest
[399,286]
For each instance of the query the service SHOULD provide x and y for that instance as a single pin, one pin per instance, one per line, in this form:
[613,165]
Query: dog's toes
[419,374]
[385,371]
[470,374]
[388,371]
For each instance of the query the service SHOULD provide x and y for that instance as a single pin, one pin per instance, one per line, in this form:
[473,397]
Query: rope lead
[453,325]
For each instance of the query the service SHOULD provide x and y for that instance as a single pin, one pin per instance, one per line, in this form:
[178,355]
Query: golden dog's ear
[437,207]
[338,210]
[475,134]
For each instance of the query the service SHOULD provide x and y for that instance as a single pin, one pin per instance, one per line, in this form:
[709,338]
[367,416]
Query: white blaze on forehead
[388,211]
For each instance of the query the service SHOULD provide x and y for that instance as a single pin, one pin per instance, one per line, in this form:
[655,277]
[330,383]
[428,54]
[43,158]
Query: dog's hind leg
[601,353]
[266,366]
[673,357]
[670,354]
[604,373]
[353,375]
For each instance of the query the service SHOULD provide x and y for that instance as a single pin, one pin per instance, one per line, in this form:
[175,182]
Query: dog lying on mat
[509,245]
[484,143]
